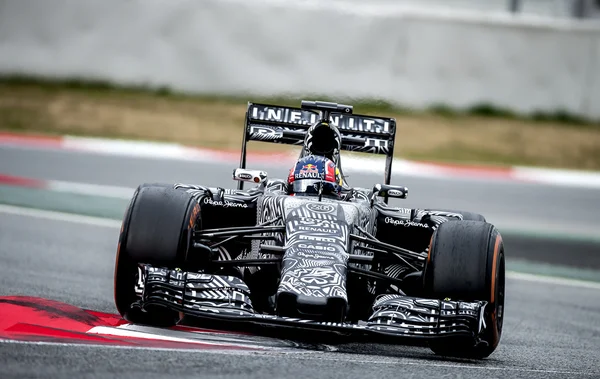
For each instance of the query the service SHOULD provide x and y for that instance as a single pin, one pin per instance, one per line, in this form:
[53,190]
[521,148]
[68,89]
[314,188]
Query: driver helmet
[313,172]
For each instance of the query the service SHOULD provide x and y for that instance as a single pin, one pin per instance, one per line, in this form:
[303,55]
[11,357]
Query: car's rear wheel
[156,230]
[466,262]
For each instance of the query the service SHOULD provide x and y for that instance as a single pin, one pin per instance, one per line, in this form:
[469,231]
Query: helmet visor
[311,187]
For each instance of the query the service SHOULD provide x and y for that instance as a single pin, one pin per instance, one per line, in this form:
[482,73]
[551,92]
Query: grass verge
[482,134]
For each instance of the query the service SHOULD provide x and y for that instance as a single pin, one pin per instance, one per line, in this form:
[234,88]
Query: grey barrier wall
[402,55]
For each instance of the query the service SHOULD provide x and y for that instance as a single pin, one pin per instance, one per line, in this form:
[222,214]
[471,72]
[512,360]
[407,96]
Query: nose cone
[314,265]
[323,139]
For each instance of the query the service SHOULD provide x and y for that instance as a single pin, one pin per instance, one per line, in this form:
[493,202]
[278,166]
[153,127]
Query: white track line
[226,350]
[60,216]
[109,223]
[310,356]
[553,280]
[121,332]
[90,189]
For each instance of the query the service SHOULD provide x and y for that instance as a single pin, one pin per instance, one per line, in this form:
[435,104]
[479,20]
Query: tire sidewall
[494,313]
[125,269]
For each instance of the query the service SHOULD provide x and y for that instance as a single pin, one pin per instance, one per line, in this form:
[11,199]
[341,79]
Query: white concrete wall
[517,67]
[592,96]
[546,8]
[276,47]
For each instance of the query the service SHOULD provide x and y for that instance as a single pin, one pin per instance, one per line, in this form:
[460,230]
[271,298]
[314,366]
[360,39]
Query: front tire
[156,230]
[466,262]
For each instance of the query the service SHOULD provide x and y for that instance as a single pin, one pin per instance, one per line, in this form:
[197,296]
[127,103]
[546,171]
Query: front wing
[228,298]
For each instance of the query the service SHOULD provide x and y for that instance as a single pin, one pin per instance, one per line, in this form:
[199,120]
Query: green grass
[480,134]
[366,106]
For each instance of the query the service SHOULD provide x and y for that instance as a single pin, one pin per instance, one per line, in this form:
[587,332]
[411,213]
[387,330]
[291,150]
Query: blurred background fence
[582,9]
[523,55]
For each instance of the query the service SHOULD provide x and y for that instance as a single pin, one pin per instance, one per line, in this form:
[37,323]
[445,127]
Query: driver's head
[313,172]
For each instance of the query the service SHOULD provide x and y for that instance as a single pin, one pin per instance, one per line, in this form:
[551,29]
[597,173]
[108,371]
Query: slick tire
[156,230]
[466,262]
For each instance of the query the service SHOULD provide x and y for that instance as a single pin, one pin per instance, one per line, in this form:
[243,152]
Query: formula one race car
[310,252]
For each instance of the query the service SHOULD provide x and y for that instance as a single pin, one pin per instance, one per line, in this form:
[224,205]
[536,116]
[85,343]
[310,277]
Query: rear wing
[289,125]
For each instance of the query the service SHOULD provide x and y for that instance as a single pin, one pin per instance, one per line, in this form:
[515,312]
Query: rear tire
[156,230]
[466,262]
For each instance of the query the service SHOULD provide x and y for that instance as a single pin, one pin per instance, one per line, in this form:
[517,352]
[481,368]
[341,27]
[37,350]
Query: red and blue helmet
[313,172]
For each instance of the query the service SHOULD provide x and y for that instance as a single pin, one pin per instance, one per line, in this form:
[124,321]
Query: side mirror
[388,190]
[252,176]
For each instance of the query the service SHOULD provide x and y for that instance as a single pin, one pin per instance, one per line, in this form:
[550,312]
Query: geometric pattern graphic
[314,266]
[397,313]
[315,261]
[195,291]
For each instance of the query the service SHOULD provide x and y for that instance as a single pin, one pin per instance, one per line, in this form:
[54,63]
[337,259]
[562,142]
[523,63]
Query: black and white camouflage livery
[319,249]
[352,265]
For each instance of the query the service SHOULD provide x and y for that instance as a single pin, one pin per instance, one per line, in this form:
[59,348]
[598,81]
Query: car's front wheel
[156,230]
[466,262]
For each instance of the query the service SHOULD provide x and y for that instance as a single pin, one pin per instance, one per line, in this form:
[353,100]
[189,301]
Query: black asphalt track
[551,330]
